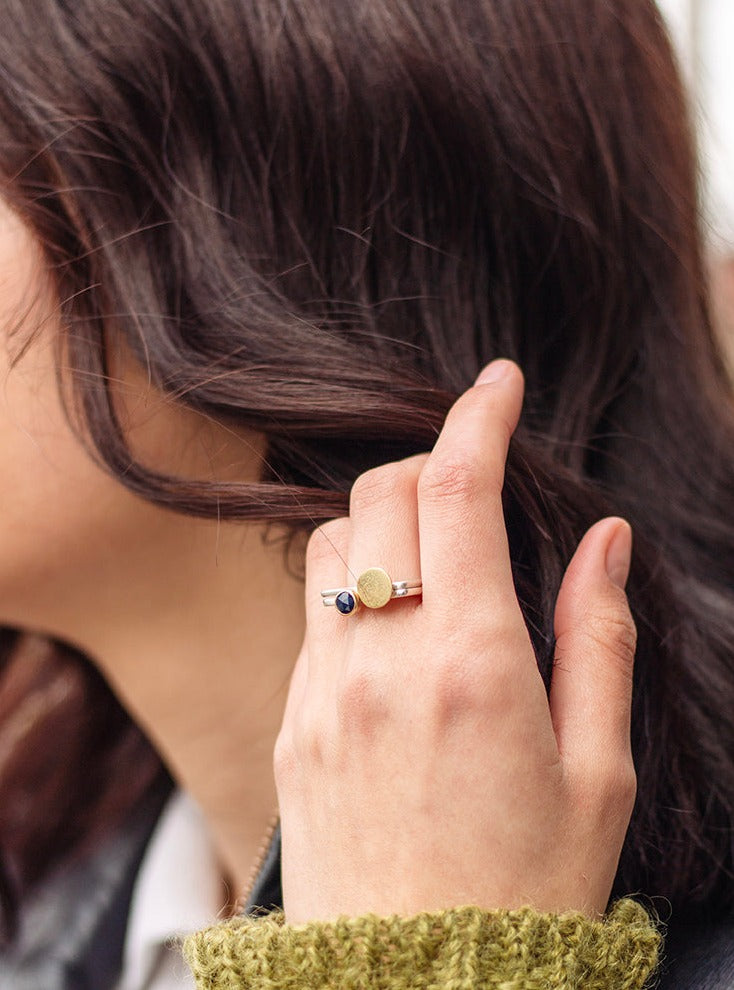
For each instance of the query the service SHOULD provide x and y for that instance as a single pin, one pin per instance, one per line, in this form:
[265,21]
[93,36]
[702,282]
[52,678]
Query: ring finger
[384,527]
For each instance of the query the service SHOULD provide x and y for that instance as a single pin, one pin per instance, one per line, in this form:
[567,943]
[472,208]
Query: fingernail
[619,555]
[494,372]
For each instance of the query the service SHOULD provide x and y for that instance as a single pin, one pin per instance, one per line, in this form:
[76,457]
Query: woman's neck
[201,654]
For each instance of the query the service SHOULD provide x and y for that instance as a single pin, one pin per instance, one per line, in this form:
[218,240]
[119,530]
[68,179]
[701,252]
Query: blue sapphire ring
[374,589]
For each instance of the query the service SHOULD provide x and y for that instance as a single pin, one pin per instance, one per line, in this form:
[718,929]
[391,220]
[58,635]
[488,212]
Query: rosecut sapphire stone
[345,602]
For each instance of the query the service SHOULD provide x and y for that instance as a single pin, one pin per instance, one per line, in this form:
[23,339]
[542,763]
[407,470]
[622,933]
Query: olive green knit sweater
[460,949]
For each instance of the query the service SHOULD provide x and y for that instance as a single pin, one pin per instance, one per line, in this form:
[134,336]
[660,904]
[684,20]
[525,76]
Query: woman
[255,249]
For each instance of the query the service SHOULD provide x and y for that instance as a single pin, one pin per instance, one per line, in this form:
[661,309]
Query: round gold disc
[374,587]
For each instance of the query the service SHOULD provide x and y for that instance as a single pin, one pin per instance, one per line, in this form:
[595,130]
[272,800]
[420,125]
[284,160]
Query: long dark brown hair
[318,219]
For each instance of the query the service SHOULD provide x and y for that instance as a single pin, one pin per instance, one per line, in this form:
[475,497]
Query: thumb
[591,686]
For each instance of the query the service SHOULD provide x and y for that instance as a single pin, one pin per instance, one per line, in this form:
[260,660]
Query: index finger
[463,540]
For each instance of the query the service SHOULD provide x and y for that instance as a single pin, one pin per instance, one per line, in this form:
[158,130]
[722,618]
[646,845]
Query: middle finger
[464,549]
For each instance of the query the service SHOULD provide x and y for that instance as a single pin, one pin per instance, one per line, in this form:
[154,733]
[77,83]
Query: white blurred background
[704,33]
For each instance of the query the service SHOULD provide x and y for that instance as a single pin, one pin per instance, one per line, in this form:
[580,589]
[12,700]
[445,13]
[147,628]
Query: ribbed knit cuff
[460,949]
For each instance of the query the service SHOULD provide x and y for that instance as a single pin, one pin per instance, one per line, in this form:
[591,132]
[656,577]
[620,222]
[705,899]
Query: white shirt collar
[178,890]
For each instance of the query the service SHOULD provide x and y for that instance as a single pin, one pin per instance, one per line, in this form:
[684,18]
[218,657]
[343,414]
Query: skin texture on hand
[420,764]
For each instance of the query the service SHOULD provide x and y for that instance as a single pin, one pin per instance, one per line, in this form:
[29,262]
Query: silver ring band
[401,589]
[374,589]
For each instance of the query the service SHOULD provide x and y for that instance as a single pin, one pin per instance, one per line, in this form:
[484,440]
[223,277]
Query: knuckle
[311,738]
[454,697]
[377,485]
[617,788]
[362,703]
[459,682]
[613,630]
[312,748]
[611,785]
[460,693]
[323,540]
[628,785]
[455,479]
[285,759]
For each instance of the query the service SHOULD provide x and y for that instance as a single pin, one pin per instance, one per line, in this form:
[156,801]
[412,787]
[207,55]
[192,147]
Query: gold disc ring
[375,587]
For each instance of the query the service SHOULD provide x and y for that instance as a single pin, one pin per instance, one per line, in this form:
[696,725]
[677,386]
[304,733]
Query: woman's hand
[420,765]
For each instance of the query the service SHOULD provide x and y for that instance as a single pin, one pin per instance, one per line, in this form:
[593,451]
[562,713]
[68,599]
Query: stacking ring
[374,589]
